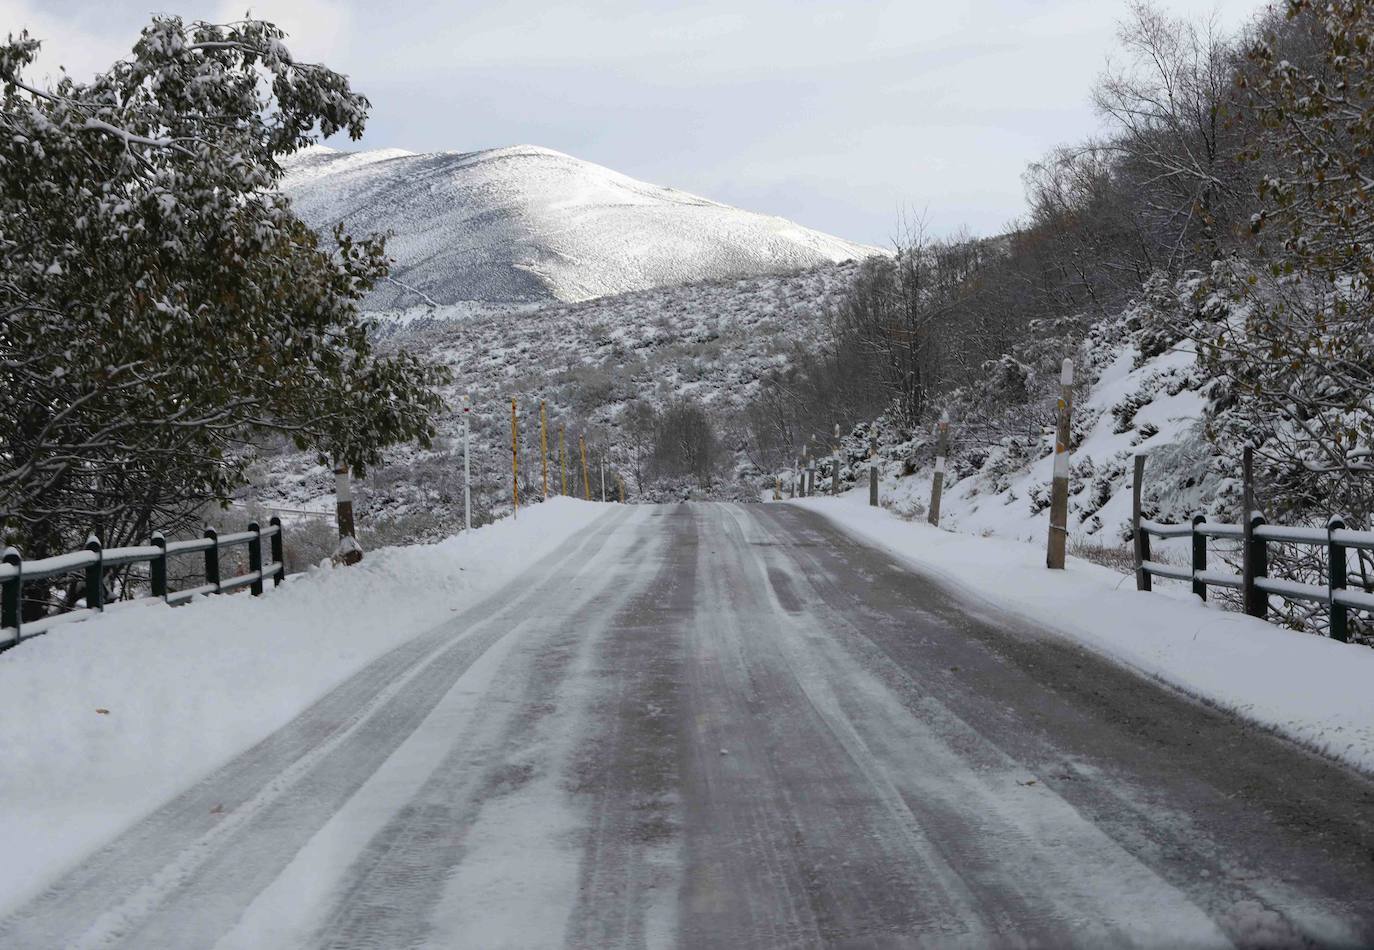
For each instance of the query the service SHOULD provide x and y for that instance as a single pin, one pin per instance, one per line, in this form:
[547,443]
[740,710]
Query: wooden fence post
[1199,556]
[937,482]
[1256,564]
[1141,537]
[157,568]
[1059,491]
[1336,569]
[95,576]
[278,547]
[11,593]
[255,558]
[212,559]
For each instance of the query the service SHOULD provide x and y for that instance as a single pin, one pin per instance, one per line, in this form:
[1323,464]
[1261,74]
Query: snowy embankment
[1311,689]
[102,721]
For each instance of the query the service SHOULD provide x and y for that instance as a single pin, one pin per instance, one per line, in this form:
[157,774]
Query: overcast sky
[839,115]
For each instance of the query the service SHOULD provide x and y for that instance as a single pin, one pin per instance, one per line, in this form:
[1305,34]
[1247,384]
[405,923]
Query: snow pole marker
[349,551]
[835,475]
[1059,492]
[937,482]
[873,474]
[586,475]
[514,460]
[603,477]
[544,446]
[467,462]
[562,462]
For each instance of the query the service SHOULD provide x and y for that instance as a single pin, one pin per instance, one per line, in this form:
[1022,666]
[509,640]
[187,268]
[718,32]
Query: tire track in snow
[394,889]
[190,867]
[1261,836]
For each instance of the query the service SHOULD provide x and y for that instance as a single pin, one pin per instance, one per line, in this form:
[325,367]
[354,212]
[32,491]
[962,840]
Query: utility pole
[544,446]
[586,474]
[562,462]
[514,460]
[937,484]
[467,462]
[1059,491]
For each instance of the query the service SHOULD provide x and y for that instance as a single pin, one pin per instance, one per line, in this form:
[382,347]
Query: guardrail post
[278,558]
[12,592]
[95,579]
[255,558]
[157,567]
[212,559]
[1255,560]
[1140,537]
[1199,556]
[1335,572]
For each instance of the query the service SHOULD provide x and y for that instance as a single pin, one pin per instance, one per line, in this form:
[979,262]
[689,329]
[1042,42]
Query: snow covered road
[736,726]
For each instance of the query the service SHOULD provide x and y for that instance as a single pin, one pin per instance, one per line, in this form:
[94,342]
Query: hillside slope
[526,224]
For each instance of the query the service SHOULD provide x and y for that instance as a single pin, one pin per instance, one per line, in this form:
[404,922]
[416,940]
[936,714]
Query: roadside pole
[349,552]
[1059,492]
[544,446]
[603,476]
[937,485]
[622,488]
[562,462]
[835,473]
[586,474]
[467,462]
[873,474]
[802,470]
[514,460]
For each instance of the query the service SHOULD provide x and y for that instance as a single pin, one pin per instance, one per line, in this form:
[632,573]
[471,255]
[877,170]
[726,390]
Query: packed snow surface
[1312,689]
[525,223]
[102,721]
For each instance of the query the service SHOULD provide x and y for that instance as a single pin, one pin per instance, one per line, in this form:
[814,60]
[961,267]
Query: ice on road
[709,725]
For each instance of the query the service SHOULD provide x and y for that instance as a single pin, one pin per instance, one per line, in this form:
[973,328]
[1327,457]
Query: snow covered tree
[160,304]
[1297,347]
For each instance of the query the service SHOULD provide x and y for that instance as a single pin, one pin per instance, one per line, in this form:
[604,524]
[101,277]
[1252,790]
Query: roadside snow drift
[1309,688]
[102,721]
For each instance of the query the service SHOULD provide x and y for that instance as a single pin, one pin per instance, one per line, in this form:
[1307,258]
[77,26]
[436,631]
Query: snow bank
[1311,689]
[102,721]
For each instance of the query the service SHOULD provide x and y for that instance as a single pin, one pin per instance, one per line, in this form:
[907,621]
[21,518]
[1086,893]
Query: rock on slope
[525,224]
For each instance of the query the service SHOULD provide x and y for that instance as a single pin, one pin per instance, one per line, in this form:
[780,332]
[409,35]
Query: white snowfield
[1311,689]
[525,223]
[184,689]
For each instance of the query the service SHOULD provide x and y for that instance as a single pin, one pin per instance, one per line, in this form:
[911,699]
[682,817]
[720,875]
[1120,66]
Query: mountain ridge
[527,224]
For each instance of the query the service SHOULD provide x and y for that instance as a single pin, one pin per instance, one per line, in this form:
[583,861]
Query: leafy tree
[160,304]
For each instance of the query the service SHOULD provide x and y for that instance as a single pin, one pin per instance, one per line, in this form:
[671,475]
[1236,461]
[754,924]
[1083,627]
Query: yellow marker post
[562,462]
[544,446]
[586,477]
[514,459]
[622,489]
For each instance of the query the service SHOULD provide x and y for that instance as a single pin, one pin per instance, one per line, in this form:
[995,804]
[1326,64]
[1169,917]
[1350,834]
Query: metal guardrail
[1254,583]
[15,572]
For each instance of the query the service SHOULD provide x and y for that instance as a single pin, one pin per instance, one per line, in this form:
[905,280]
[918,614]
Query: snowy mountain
[528,224]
